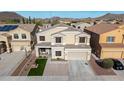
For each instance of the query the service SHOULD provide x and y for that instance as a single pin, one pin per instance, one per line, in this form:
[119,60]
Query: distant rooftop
[102,28]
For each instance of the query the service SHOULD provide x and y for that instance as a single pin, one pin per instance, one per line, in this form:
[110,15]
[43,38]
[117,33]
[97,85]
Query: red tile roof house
[107,40]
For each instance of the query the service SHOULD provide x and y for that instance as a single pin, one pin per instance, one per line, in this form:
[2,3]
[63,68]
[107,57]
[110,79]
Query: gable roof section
[72,29]
[102,28]
[68,29]
[52,27]
[27,27]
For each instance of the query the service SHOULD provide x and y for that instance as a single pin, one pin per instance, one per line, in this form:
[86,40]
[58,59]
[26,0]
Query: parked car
[118,65]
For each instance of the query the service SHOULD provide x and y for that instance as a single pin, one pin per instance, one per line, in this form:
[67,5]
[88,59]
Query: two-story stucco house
[107,40]
[17,37]
[63,42]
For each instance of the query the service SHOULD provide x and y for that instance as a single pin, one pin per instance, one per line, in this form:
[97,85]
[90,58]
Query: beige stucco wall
[48,33]
[71,37]
[17,46]
[20,32]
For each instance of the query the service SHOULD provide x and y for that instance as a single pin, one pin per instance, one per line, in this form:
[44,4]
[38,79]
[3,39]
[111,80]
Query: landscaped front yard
[40,69]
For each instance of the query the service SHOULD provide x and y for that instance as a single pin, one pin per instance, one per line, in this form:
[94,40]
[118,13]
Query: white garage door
[77,55]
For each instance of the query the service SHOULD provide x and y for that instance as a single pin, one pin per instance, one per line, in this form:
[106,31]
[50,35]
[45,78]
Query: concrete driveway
[71,70]
[9,62]
[78,70]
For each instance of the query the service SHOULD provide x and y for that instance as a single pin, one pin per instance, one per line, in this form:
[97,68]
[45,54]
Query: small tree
[54,22]
[34,21]
[29,20]
[23,20]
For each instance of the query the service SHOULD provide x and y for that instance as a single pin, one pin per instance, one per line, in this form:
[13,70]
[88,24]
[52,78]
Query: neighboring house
[81,25]
[17,37]
[63,42]
[107,40]
[45,26]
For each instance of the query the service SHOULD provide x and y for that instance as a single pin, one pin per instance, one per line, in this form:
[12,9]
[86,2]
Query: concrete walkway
[56,68]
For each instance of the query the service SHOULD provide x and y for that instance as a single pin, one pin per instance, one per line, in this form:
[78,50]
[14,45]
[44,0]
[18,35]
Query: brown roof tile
[116,45]
[102,28]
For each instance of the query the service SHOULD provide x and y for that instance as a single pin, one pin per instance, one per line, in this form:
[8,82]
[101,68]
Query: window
[82,39]
[58,39]
[43,50]
[42,38]
[23,36]
[16,36]
[110,39]
[58,53]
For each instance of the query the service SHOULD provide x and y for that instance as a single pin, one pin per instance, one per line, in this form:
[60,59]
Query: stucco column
[88,41]
[89,55]
[8,49]
[37,51]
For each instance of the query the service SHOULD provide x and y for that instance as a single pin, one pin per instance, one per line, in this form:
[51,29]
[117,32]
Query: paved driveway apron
[78,70]
[56,68]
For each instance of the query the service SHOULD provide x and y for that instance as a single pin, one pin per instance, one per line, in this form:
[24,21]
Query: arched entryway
[3,47]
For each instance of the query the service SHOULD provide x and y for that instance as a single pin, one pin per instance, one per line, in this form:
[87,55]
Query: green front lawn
[40,69]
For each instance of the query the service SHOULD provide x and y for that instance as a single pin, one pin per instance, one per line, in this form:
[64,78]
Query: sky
[66,14]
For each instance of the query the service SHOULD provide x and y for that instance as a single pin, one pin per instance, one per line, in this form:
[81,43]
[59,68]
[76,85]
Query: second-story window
[16,36]
[82,39]
[42,38]
[110,39]
[23,36]
[58,39]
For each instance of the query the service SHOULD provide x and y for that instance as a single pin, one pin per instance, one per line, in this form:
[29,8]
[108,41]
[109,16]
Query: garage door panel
[77,55]
[111,54]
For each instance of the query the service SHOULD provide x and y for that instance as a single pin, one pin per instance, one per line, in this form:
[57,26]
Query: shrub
[107,63]
[58,58]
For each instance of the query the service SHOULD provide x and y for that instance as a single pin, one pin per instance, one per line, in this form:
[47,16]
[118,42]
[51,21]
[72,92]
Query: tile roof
[58,25]
[112,45]
[102,28]
[27,27]
[73,46]
[44,44]
[6,35]
[72,29]
[67,46]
